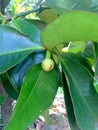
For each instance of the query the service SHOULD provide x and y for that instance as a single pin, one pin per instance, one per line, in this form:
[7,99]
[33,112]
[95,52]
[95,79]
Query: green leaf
[96,75]
[89,51]
[40,24]
[95,47]
[88,5]
[95,82]
[72,26]
[77,46]
[83,95]
[14,47]
[83,60]
[37,93]
[28,28]
[1,99]
[69,106]
[17,73]
[11,90]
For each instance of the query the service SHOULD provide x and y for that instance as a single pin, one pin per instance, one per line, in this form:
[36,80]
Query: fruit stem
[48,55]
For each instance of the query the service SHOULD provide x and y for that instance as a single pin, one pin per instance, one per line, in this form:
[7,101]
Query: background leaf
[80,57]
[11,90]
[17,73]
[83,95]
[88,5]
[37,93]
[1,99]
[3,4]
[14,47]
[96,76]
[89,51]
[77,46]
[95,82]
[40,24]
[69,106]
[28,28]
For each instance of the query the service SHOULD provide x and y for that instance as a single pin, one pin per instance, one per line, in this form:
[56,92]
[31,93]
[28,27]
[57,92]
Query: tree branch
[23,14]
[38,2]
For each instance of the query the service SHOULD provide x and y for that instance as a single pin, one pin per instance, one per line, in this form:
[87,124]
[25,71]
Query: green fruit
[47,64]
[72,26]
[48,15]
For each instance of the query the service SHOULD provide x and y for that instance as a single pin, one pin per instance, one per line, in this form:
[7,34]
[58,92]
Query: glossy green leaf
[40,24]
[89,51]
[88,5]
[17,73]
[11,90]
[83,60]
[95,46]
[83,94]
[72,26]
[69,106]
[77,46]
[28,28]
[13,47]
[95,82]
[1,99]
[96,75]
[37,93]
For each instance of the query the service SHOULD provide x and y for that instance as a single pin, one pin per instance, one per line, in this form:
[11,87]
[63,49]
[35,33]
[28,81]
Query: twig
[30,11]
[38,2]
[23,14]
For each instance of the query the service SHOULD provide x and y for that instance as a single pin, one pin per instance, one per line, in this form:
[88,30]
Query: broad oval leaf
[96,75]
[72,26]
[1,99]
[83,60]
[40,24]
[14,47]
[89,50]
[28,28]
[88,5]
[77,46]
[10,89]
[69,105]
[37,93]
[17,73]
[95,45]
[83,94]
[96,67]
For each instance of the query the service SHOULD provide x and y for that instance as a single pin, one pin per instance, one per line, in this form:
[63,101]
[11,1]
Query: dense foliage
[45,45]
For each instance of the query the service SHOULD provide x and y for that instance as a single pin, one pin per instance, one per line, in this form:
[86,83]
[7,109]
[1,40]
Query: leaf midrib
[28,97]
[17,51]
[93,115]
